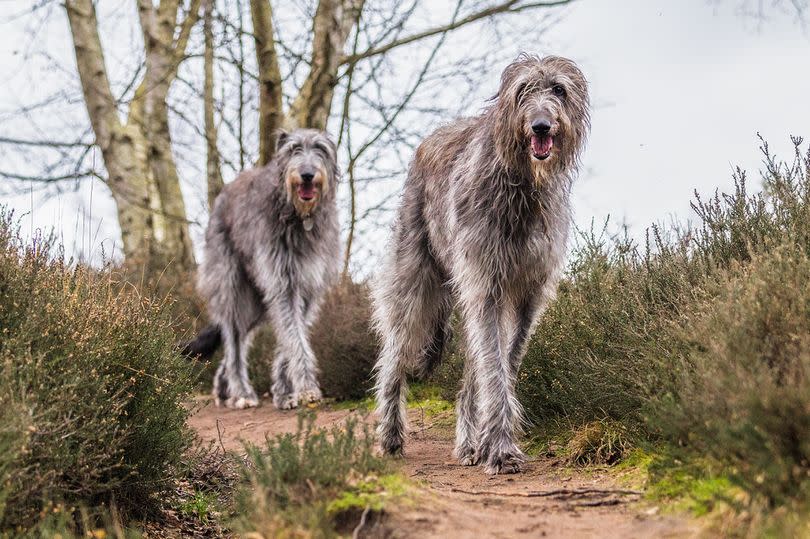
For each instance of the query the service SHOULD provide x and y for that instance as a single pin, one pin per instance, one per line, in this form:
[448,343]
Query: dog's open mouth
[306,192]
[541,146]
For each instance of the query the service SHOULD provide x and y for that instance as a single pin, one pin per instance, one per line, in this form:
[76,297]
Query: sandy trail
[459,501]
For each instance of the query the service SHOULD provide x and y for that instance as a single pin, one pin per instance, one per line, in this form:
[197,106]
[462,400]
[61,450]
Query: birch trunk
[121,146]
[142,175]
[212,168]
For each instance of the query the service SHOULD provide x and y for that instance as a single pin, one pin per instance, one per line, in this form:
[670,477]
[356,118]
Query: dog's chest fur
[265,227]
[513,231]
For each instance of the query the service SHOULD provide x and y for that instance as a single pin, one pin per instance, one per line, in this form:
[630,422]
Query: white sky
[680,90]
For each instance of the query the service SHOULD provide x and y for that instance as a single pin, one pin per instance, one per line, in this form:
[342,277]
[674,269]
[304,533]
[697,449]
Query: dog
[482,226]
[272,252]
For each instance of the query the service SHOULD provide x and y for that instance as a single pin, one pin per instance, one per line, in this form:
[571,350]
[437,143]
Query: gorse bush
[292,482]
[91,389]
[698,337]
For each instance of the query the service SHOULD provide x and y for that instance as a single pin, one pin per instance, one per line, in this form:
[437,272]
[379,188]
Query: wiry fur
[483,225]
[272,256]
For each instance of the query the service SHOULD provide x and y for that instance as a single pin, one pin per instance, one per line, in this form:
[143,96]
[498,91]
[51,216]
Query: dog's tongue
[541,145]
[306,191]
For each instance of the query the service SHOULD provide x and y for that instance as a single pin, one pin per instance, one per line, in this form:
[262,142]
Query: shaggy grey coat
[271,256]
[483,226]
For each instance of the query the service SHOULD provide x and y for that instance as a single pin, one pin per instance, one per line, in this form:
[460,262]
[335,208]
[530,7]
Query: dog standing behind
[272,250]
[483,224]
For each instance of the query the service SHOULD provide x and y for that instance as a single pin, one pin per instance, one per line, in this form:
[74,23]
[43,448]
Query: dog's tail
[204,345]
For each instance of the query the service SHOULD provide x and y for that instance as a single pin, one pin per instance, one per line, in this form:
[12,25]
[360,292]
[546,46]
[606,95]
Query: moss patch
[372,492]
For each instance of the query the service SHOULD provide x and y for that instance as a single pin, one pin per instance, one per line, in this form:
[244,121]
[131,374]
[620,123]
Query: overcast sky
[680,90]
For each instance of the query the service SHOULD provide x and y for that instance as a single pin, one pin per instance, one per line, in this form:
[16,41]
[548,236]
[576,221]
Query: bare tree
[375,66]
[142,175]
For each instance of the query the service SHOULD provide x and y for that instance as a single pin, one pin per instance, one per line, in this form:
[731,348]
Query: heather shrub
[308,483]
[743,385]
[91,389]
[697,338]
[345,343]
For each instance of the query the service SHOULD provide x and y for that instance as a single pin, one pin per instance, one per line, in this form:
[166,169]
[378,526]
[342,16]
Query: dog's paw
[466,456]
[309,396]
[505,463]
[238,402]
[285,402]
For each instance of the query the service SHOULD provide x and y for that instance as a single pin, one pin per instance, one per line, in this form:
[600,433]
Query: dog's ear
[282,137]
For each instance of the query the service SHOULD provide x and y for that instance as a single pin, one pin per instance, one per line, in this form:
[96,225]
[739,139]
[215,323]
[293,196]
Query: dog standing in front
[483,225]
[272,250]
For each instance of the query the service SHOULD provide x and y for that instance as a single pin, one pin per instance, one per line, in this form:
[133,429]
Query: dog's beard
[304,208]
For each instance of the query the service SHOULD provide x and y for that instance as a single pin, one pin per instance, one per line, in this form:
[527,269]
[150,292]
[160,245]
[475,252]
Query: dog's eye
[558,90]
[520,91]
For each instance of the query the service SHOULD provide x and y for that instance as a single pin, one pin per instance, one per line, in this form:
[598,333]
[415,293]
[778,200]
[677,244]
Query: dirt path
[459,501]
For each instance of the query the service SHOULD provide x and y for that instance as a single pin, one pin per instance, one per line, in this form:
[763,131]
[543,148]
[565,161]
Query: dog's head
[308,161]
[542,112]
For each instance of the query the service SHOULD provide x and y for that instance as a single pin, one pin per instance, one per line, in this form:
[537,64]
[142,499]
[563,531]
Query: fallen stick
[564,492]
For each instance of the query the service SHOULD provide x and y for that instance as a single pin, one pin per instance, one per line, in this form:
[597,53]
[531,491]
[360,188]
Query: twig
[356,532]
[563,493]
[219,435]
[598,503]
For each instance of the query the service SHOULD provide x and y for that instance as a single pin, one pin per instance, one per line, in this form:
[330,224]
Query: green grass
[200,506]
[372,493]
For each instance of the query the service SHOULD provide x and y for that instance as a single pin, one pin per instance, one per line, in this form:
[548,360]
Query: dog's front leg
[291,329]
[498,409]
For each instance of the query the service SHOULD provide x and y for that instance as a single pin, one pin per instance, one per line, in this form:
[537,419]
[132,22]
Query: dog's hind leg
[525,317]
[411,306]
[466,418]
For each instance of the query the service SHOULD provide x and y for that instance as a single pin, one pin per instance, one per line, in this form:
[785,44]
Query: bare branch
[45,143]
[512,6]
[89,173]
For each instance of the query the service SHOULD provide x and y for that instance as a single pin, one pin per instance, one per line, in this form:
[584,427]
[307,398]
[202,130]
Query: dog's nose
[541,126]
[307,176]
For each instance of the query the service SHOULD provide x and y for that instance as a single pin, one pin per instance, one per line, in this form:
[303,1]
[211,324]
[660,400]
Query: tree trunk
[142,174]
[213,172]
[271,113]
[331,27]
[163,55]
[124,156]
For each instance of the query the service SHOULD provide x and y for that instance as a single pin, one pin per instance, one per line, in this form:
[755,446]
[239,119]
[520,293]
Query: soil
[546,500]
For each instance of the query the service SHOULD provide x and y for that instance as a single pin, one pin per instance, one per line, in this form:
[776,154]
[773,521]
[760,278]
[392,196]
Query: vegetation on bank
[91,390]
[314,482]
[697,341]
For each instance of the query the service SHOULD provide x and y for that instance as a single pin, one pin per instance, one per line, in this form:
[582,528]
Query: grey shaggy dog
[272,252]
[483,225]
